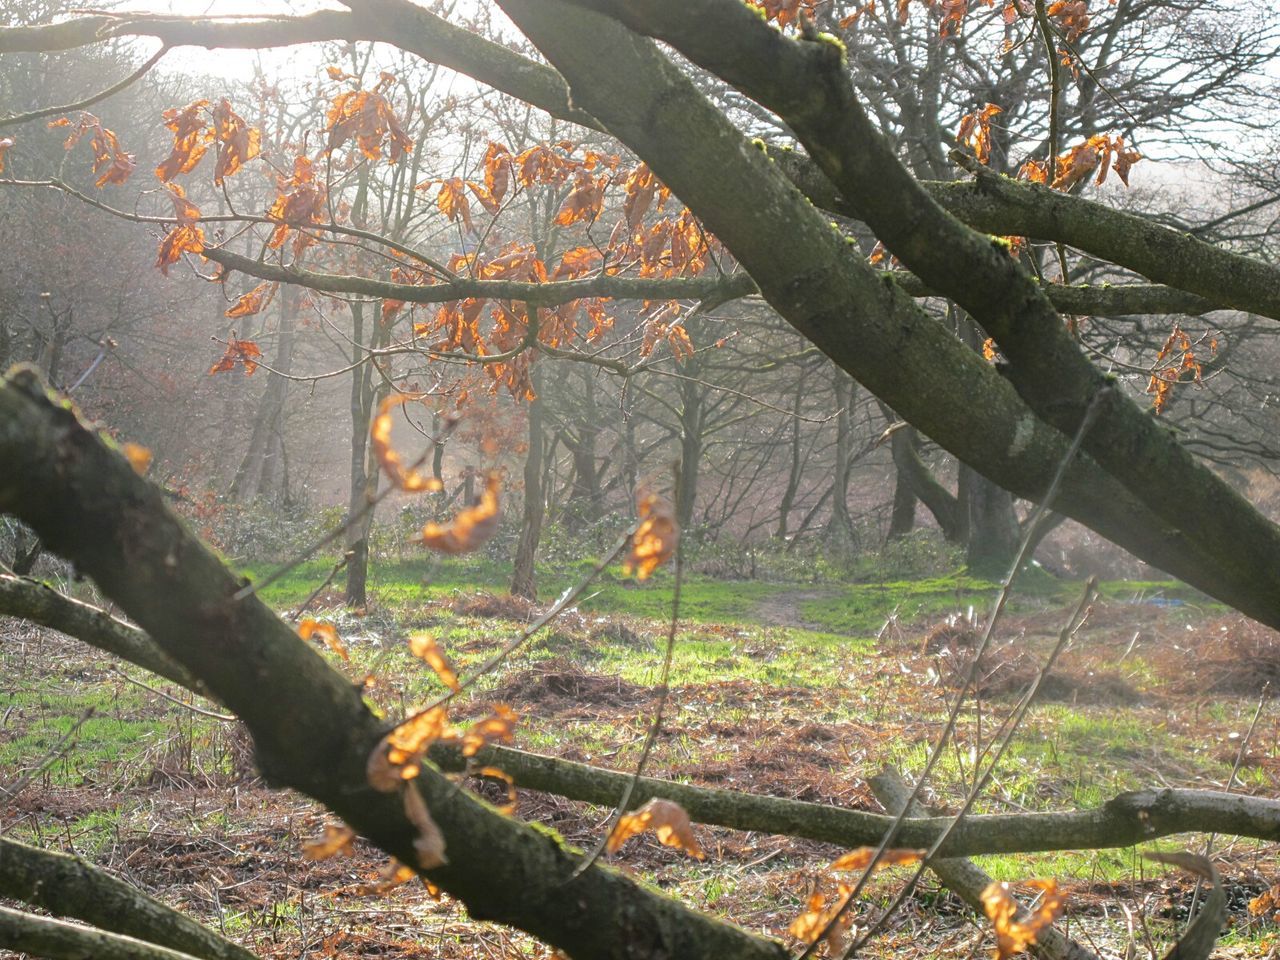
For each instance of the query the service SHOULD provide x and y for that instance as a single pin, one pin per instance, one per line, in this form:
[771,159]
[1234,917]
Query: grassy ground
[791,689]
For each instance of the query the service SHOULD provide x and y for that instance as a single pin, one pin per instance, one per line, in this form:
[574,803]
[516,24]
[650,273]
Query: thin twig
[224,717]
[1235,769]
[88,101]
[1032,527]
[664,691]
[980,781]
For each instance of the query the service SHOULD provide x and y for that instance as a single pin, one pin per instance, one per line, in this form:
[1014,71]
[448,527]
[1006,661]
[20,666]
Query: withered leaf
[655,539]
[310,627]
[893,857]
[380,435]
[1012,935]
[817,918]
[337,839]
[429,843]
[666,819]
[472,527]
[498,727]
[424,647]
[139,457]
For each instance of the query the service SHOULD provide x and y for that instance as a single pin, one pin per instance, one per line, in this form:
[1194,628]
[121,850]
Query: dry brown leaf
[666,818]
[809,926]
[1014,936]
[424,647]
[337,839]
[391,875]
[498,727]
[655,539]
[429,843]
[858,859]
[398,755]
[139,457]
[310,627]
[380,435]
[472,527]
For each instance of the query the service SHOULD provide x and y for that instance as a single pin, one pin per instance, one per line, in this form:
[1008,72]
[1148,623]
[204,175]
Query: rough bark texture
[58,940]
[72,887]
[310,727]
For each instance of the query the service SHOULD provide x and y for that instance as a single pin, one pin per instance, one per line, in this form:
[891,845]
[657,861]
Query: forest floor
[800,690]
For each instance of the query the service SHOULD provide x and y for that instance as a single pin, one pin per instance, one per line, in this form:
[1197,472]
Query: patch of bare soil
[492,606]
[560,686]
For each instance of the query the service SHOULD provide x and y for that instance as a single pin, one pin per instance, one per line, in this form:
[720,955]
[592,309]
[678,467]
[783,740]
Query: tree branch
[40,603]
[804,82]
[311,728]
[72,887]
[549,294]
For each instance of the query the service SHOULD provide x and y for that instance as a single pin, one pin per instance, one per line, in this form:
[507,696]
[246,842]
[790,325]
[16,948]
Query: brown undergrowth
[227,850]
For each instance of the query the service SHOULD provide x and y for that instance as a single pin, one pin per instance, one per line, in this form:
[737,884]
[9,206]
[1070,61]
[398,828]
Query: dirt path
[783,609]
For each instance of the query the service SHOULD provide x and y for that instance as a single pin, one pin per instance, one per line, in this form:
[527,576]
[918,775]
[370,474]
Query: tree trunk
[692,412]
[793,475]
[840,531]
[523,577]
[993,526]
[263,471]
[364,472]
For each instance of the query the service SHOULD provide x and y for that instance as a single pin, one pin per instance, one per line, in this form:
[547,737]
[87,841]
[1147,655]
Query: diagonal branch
[804,81]
[311,728]
[72,887]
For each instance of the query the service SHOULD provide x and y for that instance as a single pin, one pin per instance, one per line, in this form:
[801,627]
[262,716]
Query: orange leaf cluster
[139,457]
[1267,902]
[310,627]
[398,755]
[818,917]
[860,859]
[472,526]
[951,13]
[498,727]
[110,161]
[398,758]
[337,839]
[655,539]
[244,352]
[666,818]
[424,647]
[975,131]
[1100,153]
[380,436]
[585,200]
[254,301]
[299,203]
[1012,935]
[186,237]
[664,324]
[786,12]
[366,116]
[1072,16]
[237,142]
[1175,363]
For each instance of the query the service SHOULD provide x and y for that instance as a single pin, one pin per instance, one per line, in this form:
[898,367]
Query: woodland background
[230,269]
